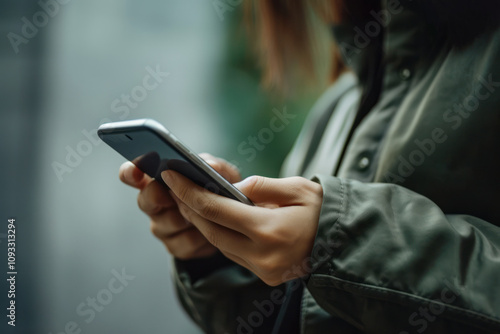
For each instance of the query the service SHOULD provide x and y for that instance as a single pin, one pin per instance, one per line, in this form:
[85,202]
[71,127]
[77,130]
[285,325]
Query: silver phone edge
[160,130]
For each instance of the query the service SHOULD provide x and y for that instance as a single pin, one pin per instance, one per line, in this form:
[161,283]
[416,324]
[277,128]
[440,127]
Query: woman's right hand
[182,239]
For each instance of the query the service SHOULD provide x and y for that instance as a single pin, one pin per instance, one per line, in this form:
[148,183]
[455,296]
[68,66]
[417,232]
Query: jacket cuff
[196,269]
[330,239]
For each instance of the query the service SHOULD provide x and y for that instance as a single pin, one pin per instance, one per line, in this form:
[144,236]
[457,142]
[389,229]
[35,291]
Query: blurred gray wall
[79,227]
[20,95]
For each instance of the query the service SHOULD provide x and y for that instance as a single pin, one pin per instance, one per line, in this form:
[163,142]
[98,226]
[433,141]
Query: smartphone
[153,149]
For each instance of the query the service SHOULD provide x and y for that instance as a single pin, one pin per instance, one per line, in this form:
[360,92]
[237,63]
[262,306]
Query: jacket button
[405,74]
[363,163]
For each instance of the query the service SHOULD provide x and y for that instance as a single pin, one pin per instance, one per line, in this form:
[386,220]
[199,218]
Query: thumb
[283,192]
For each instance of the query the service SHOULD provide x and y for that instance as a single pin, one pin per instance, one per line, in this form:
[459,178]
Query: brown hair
[287,43]
[286,38]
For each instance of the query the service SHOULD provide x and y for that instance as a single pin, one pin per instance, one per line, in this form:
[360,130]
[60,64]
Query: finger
[226,212]
[229,171]
[221,237]
[284,192]
[154,199]
[133,176]
[168,224]
[187,244]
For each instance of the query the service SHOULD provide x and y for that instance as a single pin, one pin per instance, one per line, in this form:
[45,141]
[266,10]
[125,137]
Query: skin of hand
[270,238]
[181,238]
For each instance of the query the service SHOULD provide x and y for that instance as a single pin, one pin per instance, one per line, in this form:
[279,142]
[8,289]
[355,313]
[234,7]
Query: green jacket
[409,231]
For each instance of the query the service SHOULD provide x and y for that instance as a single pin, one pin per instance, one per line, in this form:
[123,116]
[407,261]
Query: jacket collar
[396,32]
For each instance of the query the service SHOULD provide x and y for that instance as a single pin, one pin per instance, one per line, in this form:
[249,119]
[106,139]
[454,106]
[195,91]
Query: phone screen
[153,154]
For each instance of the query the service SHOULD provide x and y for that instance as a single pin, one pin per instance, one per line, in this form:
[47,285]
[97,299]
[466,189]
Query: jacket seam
[342,213]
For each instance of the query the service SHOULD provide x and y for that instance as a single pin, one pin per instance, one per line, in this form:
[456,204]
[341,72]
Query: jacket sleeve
[388,260]
[223,297]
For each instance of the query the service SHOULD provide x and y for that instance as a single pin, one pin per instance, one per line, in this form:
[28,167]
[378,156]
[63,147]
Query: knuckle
[147,205]
[183,194]
[254,183]
[156,230]
[210,209]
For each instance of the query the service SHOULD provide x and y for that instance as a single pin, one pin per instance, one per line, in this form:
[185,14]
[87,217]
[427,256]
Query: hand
[273,238]
[182,239]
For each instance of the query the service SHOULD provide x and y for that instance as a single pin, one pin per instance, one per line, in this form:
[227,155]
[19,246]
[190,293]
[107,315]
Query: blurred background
[68,66]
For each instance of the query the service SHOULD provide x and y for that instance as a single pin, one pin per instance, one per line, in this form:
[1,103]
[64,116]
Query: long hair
[285,36]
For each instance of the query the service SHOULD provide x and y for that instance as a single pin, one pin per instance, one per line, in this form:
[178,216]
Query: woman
[394,226]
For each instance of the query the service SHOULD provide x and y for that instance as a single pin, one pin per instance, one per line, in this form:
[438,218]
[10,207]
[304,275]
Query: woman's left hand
[273,239]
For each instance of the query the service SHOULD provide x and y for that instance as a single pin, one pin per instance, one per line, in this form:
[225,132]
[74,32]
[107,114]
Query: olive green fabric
[409,231]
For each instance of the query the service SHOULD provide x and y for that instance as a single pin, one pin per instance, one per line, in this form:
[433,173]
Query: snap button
[405,73]
[363,163]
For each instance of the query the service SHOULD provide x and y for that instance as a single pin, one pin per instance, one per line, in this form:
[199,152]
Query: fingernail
[129,173]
